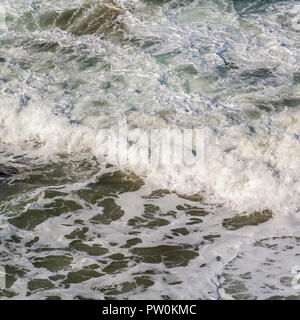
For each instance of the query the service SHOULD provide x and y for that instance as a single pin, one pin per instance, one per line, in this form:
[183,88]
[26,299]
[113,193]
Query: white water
[210,65]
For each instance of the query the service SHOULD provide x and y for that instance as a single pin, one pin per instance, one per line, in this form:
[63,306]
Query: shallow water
[77,224]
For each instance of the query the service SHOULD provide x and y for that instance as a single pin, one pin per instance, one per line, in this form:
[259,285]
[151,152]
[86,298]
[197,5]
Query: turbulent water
[77,224]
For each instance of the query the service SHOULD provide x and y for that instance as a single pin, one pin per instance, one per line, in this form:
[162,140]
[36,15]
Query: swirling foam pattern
[75,223]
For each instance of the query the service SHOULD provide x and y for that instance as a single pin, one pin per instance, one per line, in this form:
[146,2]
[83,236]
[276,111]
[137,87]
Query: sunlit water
[75,224]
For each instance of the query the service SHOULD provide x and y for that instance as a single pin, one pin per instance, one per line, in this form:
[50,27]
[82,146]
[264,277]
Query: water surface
[77,225]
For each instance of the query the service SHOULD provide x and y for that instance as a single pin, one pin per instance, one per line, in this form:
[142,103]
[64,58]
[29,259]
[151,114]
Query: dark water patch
[110,184]
[111,212]
[104,17]
[132,242]
[265,107]
[149,44]
[286,281]
[139,283]
[90,62]
[7,171]
[57,277]
[192,211]
[253,77]
[191,197]
[156,194]
[296,77]
[12,273]
[81,276]
[117,256]
[151,218]
[157,2]
[4,293]
[115,267]
[32,242]
[240,221]
[39,285]
[14,239]
[278,105]
[171,256]
[114,290]
[33,217]
[144,282]
[290,102]
[53,298]
[44,46]
[8,190]
[78,234]
[93,266]
[193,221]
[50,194]
[52,263]
[244,7]
[151,208]
[211,237]
[62,20]
[147,222]
[92,250]
[236,288]
[64,171]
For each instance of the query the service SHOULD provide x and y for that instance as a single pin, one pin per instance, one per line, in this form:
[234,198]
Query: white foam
[250,164]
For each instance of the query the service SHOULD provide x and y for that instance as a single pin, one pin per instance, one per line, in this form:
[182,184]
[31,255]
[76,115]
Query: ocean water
[78,223]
